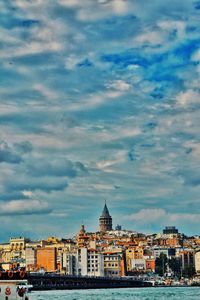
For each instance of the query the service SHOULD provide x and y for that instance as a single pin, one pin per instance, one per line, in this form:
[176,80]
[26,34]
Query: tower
[105,220]
[81,237]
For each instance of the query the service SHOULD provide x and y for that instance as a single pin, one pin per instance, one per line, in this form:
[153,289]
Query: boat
[12,287]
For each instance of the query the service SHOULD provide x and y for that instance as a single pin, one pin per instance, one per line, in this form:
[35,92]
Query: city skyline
[106,230]
[99,100]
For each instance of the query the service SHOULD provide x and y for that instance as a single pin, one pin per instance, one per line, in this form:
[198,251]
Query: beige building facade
[197,262]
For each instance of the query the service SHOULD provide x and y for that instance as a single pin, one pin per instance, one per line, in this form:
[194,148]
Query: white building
[122,233]
[89,262]
[68,263]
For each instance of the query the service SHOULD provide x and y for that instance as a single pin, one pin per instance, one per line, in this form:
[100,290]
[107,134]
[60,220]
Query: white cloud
[8,108]
[72,3]
[72,61]
[162,36]
[148,215]
[46,36]
[28,4]
[94,100]
[22,207]
[41,42]
[186,98]
[104,164]
[150,37]
[119,85]
[155,215]
[179,26]
[45,91]
[103,187]
[115,158]
[27,193]
[96,10]
[35,48]
[120,6]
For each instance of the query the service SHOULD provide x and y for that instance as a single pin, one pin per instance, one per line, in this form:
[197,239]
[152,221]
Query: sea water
[161,293]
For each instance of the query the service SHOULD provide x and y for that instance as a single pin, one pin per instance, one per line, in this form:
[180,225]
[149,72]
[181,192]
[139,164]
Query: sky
[99,100]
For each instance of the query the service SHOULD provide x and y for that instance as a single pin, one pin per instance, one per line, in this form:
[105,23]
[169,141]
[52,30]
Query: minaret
[81,236]
[105,220]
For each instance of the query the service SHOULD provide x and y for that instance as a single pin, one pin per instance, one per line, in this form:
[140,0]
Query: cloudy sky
[100,99]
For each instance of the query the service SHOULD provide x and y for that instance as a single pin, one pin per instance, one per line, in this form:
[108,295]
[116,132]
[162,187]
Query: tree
[174,265]
[161,264]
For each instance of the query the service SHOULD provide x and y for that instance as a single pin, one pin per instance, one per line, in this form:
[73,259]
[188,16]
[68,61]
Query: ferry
[13,286]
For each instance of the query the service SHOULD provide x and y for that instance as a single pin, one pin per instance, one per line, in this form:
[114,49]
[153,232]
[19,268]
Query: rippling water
[176,293]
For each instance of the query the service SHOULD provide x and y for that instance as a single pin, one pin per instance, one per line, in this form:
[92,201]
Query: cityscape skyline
[104,226]
[99,100]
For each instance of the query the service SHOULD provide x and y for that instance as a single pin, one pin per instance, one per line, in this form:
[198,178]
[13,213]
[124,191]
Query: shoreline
[111,288]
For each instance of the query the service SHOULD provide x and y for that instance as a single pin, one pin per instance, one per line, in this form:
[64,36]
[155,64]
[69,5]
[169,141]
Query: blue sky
[100,99]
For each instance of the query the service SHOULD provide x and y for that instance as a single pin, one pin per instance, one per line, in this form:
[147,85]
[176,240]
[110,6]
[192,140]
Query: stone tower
[105,220]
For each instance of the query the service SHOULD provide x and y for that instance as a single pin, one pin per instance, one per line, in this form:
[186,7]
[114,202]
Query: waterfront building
[5,255]
[197,262]
[187,259]
[134,256]
[12,254]
[30,256]
[17,252]
[89,262]
[47,259]
[150,264]
[18,244]
[68,263]
[61,245]
[113,264]
[105,220]
[139,259]
[138,264]
[129,257]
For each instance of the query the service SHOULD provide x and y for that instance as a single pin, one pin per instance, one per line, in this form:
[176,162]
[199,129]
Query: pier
[57,282]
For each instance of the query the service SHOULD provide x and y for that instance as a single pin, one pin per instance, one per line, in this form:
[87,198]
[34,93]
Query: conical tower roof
[105,212]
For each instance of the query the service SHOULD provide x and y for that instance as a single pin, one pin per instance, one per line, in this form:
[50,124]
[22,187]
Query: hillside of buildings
[108,252]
